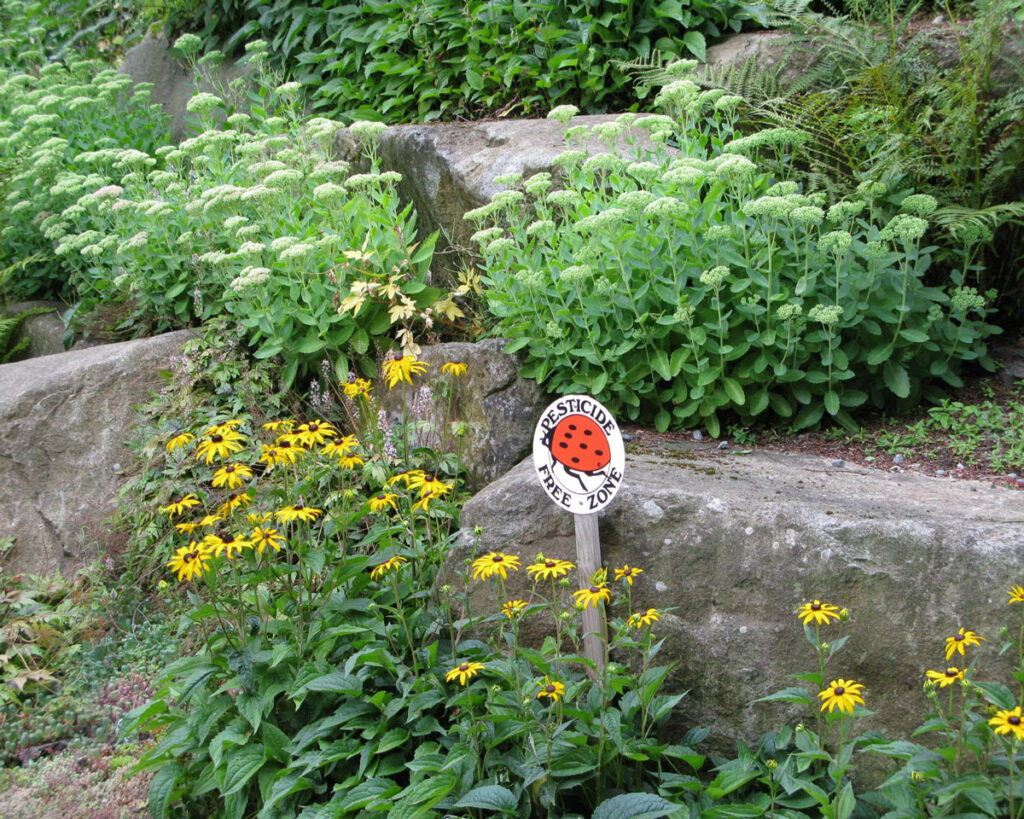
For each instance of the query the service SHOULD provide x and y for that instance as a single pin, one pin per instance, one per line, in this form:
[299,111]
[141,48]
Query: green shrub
[444,59]
[255,219]
[50,122]
[682,284]
[35,33]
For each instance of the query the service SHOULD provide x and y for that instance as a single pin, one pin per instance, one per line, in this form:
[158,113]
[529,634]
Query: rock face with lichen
[64,420]
[732,544]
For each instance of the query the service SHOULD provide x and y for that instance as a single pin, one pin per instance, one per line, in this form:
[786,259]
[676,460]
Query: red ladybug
[579,444]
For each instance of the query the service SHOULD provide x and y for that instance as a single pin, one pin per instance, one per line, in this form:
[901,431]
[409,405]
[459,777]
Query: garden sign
[579,457]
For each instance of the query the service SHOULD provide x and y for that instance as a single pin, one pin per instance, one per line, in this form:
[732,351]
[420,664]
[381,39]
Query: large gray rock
[449,169]
[731,545]
[63,423]
[498,406]
[173,83]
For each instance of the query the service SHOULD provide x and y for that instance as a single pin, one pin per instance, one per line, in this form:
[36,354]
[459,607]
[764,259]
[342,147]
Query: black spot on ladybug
[575,460]
[599,452]
[564,445]
[572,426]
[588,432]
[583,446]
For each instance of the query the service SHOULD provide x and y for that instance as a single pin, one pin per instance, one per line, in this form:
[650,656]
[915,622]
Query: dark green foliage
[442,59]
[34,33]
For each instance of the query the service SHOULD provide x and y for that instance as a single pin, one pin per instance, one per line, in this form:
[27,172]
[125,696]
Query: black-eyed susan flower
[190,561]
[959,641]
[306,513]
[178,440]
[947,677]
[224,427]
[357,388]
[1016,594]
[210,520]
[428,484]
[423,502]
[818,612]
[258,518]
[378,503]
[592,595]
[551,689]
[627,573]
[513,609]
[454,368]
[350,462]
[402,369]
[280,425]
[341,447]
[175,508]
[547,567]
[464,672]
[228,544]
[1009,722]
[187,528]
[232,475]
[388,565]
[494,563]
[640,619]
[234,501]
[261,537]
[219,445]
[406,477]
[841,694]
[287,451]
[314,433]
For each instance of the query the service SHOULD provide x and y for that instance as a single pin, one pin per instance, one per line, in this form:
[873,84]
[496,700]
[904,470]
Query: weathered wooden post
[579,457]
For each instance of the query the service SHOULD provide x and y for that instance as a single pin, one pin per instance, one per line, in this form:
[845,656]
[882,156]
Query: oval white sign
[578,454]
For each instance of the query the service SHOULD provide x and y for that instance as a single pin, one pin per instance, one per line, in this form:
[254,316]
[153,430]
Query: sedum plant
[51,122]
[681,284]
[257,219]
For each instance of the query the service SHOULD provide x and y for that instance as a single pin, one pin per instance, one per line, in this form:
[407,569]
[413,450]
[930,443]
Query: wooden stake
[588,558]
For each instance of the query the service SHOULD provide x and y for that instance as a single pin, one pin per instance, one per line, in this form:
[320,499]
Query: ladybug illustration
[579,444]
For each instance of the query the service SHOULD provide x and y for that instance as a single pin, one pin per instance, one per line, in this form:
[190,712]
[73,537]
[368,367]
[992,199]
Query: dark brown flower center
[839,691]
[464,667]
[549,564]
[382,497]
[594,590]
[958,637]
[815,606]
[190,556]
[1013,720]
[952,672]
[550,689]
[498,558]
[229,469]
[312,427]
[217,438]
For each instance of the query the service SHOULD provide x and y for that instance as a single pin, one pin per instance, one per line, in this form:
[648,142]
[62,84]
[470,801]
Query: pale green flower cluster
[904,228]
[576,274]
[963,299]
[825,314]
[715,277]
[563,113]
[836,242]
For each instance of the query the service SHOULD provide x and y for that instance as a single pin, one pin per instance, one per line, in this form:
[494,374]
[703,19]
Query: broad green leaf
[422,795]
[161,788]
[792,694]
[734,391]
[634,806]
[243,762]
[489,797]
[896,379]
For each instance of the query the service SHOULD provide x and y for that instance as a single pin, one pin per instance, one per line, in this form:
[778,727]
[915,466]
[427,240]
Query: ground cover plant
[685,285]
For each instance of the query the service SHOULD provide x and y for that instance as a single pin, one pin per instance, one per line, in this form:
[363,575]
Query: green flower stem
[400,613]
